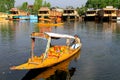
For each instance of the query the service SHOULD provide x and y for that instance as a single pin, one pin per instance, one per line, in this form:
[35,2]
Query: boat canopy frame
[47,36]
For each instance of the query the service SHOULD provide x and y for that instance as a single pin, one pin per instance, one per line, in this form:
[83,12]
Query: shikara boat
[63,67]
[49,24]
[52,55]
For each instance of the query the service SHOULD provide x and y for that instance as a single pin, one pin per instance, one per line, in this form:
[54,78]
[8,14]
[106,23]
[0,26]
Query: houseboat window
[65,11]
[92,12]
[14,12]
[108,12]
[69,11]
[43,12]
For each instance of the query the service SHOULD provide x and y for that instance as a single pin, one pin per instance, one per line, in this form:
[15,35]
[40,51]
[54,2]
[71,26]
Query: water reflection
[100,51]
[31,21]
[7,31]
[107,27]
[57,72]
[44,29]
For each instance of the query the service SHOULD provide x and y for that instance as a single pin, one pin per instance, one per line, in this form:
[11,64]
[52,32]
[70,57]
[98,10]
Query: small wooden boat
[44,19]
[49,24]
[33,17]
[24,17]
[52,55]
[37,74]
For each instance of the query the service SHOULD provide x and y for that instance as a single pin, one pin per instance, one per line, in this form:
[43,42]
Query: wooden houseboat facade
[91,15]
[108,14]
[15,13]
[56,15]
[46,14]
[43,13]
[70,14]
[118,15]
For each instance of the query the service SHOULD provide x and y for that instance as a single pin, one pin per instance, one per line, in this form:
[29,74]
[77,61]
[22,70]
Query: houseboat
[108,14]
[56,14]
[44,14]
[70,14]
[16,14]
[51,15]
[91,15]
[118,15]
[13,13]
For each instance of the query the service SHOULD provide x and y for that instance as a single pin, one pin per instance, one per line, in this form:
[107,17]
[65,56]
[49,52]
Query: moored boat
[49,24]
[52,55]
[33,17]
[24,17]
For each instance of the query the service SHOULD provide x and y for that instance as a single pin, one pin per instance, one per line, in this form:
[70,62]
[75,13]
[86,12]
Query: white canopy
[57,35]
[52,35]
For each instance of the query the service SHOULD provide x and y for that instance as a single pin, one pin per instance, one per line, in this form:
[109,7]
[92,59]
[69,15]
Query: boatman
[76,42]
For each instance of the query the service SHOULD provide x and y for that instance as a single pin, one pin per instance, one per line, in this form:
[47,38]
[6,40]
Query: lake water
[98,58]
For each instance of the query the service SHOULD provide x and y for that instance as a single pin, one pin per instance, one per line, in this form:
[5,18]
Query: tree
[81,11]
[24,6]
[45,4]
[48,5]
[37,5]
[6,5]
[102,3]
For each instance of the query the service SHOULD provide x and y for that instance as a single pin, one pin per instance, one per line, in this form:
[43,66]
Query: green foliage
[102,3]
[81,10]
[47,4]
[24,6]
[38,4]
[6,5]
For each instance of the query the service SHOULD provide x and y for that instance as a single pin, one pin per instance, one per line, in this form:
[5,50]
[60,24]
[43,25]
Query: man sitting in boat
[76,42]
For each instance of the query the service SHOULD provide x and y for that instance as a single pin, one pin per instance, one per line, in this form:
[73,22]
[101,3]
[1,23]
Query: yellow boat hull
[50,24]
[47,72]
[54,57]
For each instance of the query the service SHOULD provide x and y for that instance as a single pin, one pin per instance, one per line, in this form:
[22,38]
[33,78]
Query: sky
[59,3]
